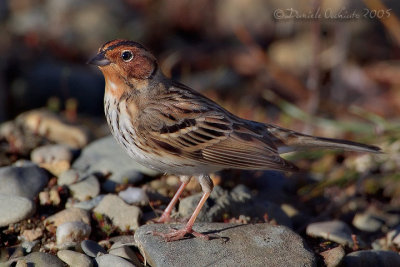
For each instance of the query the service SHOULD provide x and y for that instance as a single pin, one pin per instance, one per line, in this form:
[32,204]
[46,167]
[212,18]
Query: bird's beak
[99,60]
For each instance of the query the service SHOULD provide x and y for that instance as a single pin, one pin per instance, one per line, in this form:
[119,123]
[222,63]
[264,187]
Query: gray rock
[89,204]
[71,232]
[68,215]
[123,216]
[29,246]
[73,258]
[126,253]
[22,181]
[42,259]
[85,189]
[238,202]
[128,240]
[372,258]
[367,222]
[334,256]
[111,260]
[233,245]
[134,195]
[91,248]
[393,237]
[336,231]
[68,177]
[107,157]
[14,209]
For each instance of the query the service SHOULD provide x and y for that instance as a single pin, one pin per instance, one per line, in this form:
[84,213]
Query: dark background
[234,51]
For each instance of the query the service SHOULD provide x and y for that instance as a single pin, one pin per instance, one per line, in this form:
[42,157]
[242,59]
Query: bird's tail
[288,141]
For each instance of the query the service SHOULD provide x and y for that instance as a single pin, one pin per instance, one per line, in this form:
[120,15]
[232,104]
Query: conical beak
[99,60]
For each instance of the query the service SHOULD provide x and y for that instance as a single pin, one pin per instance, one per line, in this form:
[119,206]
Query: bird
[170,127]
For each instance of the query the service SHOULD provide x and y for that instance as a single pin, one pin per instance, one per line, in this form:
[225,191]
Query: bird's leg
[207,186]
[166,216]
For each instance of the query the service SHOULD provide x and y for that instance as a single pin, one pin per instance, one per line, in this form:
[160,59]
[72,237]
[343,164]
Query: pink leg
[166,216]
[175,235]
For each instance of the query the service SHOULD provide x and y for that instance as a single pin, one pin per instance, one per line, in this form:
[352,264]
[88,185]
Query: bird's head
[124,62]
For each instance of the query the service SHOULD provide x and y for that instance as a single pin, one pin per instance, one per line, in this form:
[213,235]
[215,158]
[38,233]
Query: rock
[233,245]
[71,232]
[54,197]
[73,258]
[91,248]
[107,157]
[334,256]
[372,258]
[135,196]
[111,260]
[68,177]
[126,253]
[367,222]
[29,246]
[32,234]
[68,215]
[124,216]
[42,259]
[22,181]
[85,189]
[54,158]
[14,209]
[54,128]
[238,202]
[336,231]
[128,240]
[89,204]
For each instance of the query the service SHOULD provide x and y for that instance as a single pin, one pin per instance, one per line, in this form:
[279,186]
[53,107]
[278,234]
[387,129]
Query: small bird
[170,127]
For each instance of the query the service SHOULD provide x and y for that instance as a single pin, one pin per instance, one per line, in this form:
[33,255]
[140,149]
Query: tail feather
[293,141]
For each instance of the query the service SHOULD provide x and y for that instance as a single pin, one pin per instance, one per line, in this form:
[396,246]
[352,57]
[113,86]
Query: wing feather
[195,128]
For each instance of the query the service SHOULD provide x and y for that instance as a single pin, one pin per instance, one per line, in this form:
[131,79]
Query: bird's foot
[179,234]
[165,218]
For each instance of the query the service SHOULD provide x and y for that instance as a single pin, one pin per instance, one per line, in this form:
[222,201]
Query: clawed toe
[179,234]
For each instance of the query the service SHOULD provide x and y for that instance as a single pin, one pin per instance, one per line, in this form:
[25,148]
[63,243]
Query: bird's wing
[186,124]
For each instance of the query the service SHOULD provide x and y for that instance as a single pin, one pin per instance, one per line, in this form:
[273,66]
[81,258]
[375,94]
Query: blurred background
[238,52]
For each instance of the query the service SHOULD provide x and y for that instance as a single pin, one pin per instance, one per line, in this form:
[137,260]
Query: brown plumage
[172,128]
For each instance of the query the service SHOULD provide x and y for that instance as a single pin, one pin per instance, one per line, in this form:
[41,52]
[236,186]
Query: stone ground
[67,201]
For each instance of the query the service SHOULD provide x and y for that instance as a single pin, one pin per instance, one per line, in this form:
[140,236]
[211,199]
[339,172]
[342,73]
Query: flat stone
[14,209]
[85,189]
[25,181]
[107,157]
[124,216]
[111,260]
[372,258]
[42,259]
[336,231]
[91,248]
[68,215]
[134,195]
[233,245]
[235,203]
[71,232]
[73,258]
[367,222]
[334,256]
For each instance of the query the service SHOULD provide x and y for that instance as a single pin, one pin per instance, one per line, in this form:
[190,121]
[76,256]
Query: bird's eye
[127,56]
